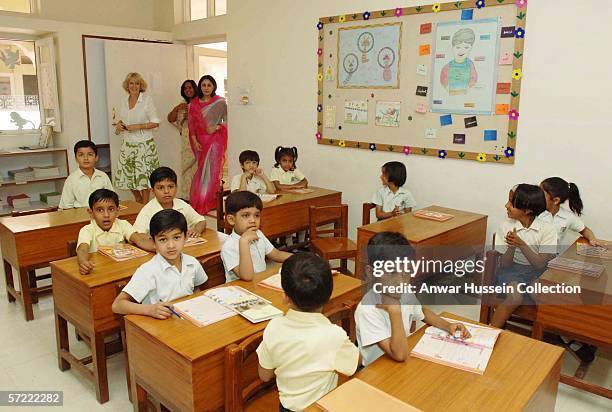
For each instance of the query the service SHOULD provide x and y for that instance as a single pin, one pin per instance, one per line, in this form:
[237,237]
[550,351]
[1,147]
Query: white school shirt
[289,177]
[158,281]
[143,112]
[94,236]
[141,225]
[388,200]
[255,184]
[230,254]
[78,186]
[306,350]
[563,221]
[541,237]
[373,325]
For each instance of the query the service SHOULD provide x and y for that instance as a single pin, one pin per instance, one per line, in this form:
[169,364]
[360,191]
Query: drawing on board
[465,66]
[356,112]
[369,56]
[388,114]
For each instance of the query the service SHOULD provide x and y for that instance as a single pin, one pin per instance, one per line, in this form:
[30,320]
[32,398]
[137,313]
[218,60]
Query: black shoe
[586,353]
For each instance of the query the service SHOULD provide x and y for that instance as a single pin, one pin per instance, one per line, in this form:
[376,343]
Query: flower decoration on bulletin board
[517,74]
[480,4]
[513,114]
[342,18]
[366,15]
[519,33]
[521,4]
[319,108]
[319,51]
[406,150]
[372,146]
[342,143]
[399,11]
[319,25]
[509,152]
[482,157]
[442,154]
[320,77]
[436,7]
[318,135]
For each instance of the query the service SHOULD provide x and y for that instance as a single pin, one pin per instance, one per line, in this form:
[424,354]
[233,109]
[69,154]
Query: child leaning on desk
[105,229]
[303,349]
[383,319]
[169,275]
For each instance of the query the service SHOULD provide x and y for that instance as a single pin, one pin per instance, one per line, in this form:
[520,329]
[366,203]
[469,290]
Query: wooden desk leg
[32,284]
[10,284]
[63,344]
[98,353]
[26,296]
[537,331]
[140,404]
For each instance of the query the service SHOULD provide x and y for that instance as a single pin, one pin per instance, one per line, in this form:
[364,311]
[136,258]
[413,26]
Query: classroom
[421,191]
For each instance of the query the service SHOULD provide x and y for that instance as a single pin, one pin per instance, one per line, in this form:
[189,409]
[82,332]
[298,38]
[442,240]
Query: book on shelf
[576,266]
[432,215]
[122,251]
[51,198]
[20,201]
[362,397]
[251,306]
[202,310]
[602,252]
[472,354]
[27,173]
[42,172]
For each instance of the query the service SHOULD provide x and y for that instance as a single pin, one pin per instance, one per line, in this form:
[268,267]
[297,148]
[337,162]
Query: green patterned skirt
[136,162]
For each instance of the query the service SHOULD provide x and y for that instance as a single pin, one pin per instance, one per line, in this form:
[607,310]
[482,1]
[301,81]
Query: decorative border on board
[517,74]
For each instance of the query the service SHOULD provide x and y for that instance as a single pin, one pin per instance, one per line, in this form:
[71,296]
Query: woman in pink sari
[208,139]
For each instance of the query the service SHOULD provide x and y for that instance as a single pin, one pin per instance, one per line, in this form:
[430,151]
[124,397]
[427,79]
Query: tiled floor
[28,361]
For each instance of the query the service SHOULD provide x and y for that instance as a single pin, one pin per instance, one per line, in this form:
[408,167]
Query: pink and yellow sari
[207,178]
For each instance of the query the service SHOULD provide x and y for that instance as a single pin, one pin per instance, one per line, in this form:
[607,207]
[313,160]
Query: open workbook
[471,354]
[122,251]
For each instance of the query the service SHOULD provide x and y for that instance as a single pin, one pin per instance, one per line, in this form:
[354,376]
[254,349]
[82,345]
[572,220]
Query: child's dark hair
[247,155]
[396,173]
[212,80]
[81,144]
[285,151]
[162,173]
[195,90]
[166,220]
[307,280]
[389,246]
[529,197]
[557,187]
[103,194]
[242,199]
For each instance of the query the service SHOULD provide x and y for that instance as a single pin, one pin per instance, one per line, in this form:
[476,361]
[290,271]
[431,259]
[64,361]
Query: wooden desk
[85,301]
[458,238]
[522,375]
[586,317]
[289,212]
[182,366]
[31,242]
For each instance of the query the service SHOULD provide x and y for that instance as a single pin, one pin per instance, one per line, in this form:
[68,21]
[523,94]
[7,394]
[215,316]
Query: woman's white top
[142,112]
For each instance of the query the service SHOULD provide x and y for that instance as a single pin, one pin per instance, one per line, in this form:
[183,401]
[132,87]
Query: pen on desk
[171,309]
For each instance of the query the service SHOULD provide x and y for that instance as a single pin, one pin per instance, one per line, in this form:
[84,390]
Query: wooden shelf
[14,152]
[11,182]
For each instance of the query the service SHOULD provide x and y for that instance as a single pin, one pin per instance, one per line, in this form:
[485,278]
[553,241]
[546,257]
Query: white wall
[565,111]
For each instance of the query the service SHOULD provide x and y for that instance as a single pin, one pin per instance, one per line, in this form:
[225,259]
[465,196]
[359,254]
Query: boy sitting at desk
[252,178]
[163,181]
[303,348]
[244,252]
[169,275]
[105,229]
[83,181]
[383,319]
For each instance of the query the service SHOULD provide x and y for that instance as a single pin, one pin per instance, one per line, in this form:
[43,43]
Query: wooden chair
[222,225]
[338,246]
[524,315]
[366,212]
[244,391]
[344,316]
[213,266]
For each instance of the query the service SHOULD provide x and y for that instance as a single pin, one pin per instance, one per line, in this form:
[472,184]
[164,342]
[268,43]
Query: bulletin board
[438,80]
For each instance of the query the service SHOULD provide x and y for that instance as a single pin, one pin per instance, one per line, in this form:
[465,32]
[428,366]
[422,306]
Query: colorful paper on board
[505,59]
[458,138]
[421,108]
[490,135]
[431,133]
[503,88]
[421,70]
[446,119]
[502,109]
[507,32]
[467,14]
[424,49]
[426,28]
[421,91]
[470,122]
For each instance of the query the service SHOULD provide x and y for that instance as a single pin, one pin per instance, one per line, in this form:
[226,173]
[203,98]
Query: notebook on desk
[122,251]
[251,306]
[432,215]
[361,397]
[202,311]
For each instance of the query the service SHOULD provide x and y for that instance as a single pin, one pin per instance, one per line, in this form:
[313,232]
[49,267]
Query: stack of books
[432,215]
[43,172]
[27,173]
[576,266]
[51,198]
[20,201]
[584,249]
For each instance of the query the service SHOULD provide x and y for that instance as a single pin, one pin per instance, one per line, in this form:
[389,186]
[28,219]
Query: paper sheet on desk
[202,311]
[471,355]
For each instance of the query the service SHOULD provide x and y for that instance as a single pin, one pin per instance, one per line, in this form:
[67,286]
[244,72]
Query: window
[19,6]
[201,9]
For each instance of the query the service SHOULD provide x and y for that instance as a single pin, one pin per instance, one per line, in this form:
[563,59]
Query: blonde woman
[138,156]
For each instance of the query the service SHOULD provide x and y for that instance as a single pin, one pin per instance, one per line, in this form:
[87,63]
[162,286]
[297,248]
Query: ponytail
[281,151]
[557,187]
